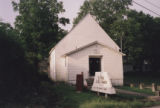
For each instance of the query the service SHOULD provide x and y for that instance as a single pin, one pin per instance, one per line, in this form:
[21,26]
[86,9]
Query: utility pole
[121,41]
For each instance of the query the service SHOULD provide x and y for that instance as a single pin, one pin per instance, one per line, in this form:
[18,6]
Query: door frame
[94,56]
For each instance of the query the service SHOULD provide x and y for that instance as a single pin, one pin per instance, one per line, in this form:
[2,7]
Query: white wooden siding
[87,31]
[110,62]
[52,66]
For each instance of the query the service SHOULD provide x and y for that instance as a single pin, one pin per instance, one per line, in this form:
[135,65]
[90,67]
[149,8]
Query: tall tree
[16,75]
[152,43]
[105,11]
[140,39]
[38,25]
[138,32]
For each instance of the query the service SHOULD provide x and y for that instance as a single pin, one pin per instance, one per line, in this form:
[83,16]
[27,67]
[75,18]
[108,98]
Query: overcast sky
[72,7]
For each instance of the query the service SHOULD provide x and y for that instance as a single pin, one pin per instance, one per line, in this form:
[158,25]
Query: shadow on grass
[61,95]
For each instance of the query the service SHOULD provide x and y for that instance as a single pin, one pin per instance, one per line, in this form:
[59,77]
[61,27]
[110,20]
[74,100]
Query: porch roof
[90,44]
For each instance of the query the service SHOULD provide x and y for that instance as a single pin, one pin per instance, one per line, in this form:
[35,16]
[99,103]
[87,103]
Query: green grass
[137,78]
[136,89]
[60,95]
[114,104]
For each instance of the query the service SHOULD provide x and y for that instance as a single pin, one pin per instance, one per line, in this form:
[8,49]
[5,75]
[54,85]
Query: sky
[72,8]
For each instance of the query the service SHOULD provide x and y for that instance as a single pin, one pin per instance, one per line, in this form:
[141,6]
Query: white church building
[86,48]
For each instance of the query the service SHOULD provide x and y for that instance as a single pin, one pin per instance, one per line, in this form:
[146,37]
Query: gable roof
[89,24]
[68,33]
[90,44]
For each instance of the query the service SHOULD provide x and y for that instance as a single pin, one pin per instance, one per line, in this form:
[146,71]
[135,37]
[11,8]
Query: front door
[94,65]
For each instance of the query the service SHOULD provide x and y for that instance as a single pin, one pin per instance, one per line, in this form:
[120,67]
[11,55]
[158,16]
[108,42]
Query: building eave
[90,44]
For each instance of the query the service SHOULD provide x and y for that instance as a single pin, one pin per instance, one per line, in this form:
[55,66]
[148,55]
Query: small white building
[86,48]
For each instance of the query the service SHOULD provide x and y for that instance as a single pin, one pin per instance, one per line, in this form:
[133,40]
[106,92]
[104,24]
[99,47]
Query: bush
[17,76]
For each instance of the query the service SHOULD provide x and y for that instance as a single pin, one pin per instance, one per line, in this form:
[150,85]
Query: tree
[152,43]
[38,25]
[138,32]
[112,16]
[16,75]
[105,11]
[129,30]
[140,39]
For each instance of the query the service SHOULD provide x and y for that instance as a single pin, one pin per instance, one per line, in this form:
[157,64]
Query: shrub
[17,76]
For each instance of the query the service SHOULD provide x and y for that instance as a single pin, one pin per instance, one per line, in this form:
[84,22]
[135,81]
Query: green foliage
[138,32]
[143,32]
[16,75]
[152,43]
[136,89]
[140,39]
[137,78]
[37,23]
[36,30]
[132,38]
[105,11]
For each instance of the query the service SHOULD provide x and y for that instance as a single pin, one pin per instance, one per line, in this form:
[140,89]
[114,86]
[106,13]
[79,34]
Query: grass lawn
[60,95]
[136,89]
